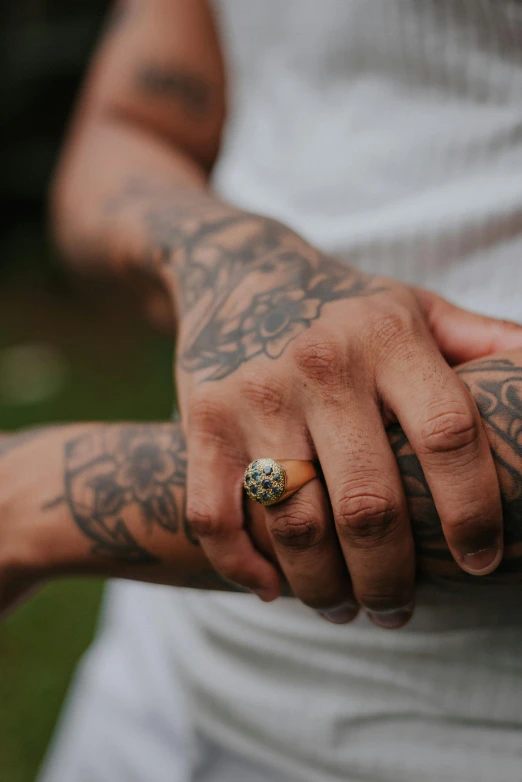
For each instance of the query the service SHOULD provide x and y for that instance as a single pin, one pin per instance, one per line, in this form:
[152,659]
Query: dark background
[70,349]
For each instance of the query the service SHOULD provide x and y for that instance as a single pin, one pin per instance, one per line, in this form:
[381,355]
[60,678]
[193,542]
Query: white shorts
[126,719]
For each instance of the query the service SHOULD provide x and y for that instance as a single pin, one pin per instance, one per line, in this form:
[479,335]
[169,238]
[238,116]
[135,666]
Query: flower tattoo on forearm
[112,472]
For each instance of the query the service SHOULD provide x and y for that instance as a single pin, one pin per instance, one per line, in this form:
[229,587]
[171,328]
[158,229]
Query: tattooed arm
[110,500]
[280,349]
[152,110]
[96,499]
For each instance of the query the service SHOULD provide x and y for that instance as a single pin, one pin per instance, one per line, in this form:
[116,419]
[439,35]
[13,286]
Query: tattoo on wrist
[249,284]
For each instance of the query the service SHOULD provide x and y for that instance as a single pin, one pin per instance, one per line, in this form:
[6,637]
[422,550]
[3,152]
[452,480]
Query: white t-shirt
[389,133]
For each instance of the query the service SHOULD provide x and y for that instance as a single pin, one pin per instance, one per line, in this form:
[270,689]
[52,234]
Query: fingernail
[341,614]
[392,619]
[483,561]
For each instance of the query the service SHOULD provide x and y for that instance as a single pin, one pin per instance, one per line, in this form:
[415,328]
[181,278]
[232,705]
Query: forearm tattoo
[121,482]
[113,473]
[248,285]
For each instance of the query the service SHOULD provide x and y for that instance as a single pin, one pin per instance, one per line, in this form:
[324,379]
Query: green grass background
[116,369]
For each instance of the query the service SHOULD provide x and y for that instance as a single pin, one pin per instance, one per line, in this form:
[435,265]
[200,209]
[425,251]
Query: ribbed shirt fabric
[388,132]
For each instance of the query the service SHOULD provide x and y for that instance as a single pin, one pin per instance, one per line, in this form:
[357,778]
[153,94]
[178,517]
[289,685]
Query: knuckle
[205,413]
[296,528]
[211,425]
[471,523]
[319,358]
[366,516]
[448,430]
[265,395]
[391,329]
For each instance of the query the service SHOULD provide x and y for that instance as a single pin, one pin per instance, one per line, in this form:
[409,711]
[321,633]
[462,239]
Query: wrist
[33,544]
[20,555]
[231,257]
[23,565]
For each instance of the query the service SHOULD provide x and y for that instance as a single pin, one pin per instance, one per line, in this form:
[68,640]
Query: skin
[281,350]
[109,500]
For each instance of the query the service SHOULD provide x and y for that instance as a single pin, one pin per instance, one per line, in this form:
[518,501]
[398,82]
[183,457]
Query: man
[385,133]
[108,499]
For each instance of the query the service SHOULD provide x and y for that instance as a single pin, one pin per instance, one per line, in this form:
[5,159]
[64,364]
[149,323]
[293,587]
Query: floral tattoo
[114,471]
[126,482]
[248,285]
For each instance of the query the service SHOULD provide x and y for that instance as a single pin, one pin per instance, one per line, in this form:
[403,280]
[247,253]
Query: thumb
[462,335]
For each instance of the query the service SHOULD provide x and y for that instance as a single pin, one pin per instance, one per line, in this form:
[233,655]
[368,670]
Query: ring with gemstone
[269,482]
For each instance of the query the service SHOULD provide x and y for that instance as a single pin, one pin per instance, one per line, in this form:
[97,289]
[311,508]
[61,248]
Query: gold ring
[269,482]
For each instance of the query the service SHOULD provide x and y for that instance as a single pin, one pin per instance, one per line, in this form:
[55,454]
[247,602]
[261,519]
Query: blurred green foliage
[114,367]
[38,650]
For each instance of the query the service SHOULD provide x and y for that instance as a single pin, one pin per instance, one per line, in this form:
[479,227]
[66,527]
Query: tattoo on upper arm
[117,474]
[179,84]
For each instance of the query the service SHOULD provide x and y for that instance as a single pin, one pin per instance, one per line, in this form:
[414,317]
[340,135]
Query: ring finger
[303,536]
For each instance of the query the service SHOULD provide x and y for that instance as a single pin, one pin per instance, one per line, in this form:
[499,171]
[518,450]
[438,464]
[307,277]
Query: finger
[215,511]
[306,546]
[462,335]
[301,528]
[369,508]
[443,425]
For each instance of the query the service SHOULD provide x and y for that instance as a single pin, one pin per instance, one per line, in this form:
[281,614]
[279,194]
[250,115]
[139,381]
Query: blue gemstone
[247,478]
[253,489]
[254,464]
[266,484]
[267,469]
[276,476]
[266,496]
[256,475]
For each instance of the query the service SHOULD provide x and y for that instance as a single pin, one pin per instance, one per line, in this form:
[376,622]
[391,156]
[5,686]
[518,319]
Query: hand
[108,499]
[286,353]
